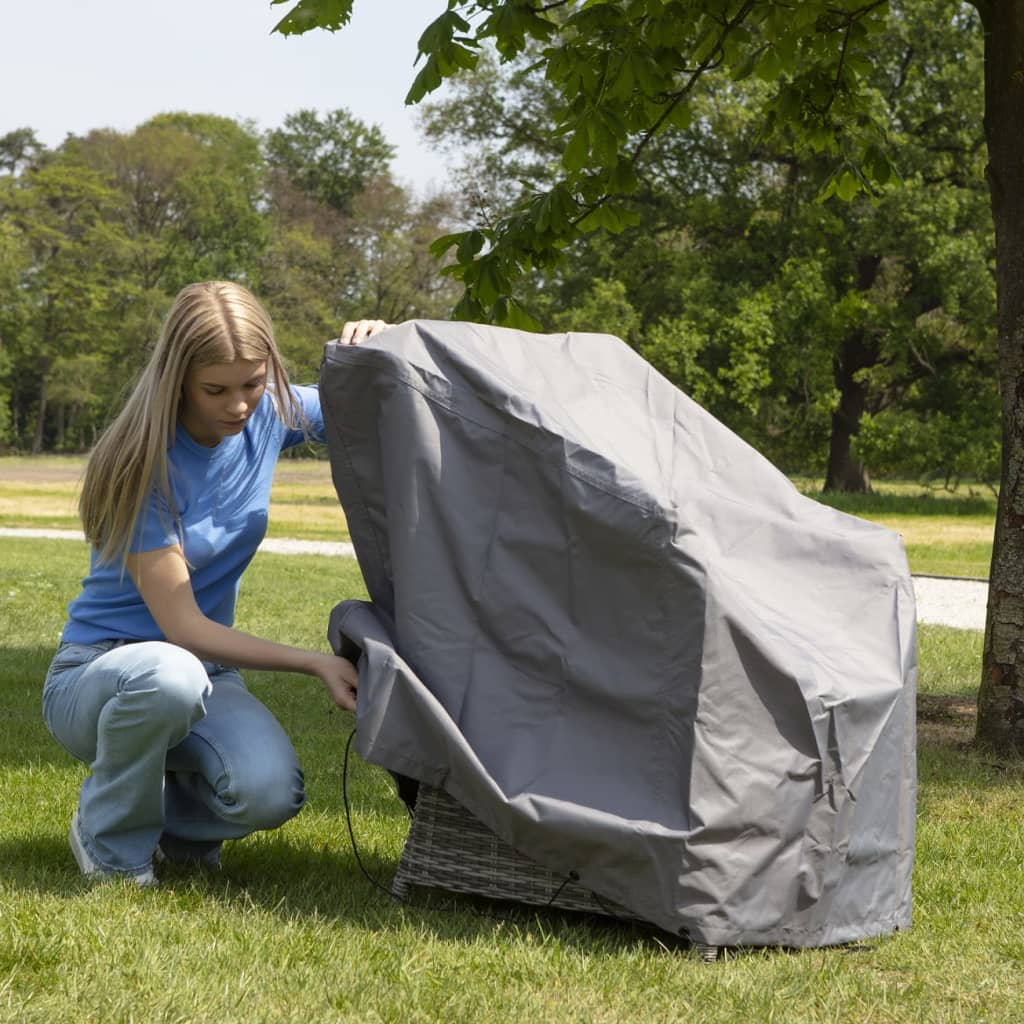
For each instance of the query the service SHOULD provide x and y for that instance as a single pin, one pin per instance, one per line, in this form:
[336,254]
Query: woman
[145,686]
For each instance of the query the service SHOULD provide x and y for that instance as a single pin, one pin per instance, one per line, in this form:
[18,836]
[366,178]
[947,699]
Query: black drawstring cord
[453,909]
[348,821]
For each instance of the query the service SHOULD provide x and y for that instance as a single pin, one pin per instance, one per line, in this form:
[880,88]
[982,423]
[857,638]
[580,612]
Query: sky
[73,65]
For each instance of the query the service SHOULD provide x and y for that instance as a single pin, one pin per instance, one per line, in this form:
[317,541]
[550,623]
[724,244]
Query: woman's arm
[162,579]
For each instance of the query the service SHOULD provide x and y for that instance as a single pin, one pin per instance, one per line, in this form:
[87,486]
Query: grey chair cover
[621,639]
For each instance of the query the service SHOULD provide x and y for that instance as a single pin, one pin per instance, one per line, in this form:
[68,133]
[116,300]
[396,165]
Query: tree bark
[1000,698]
[37,436]
[856,353]
[845,473]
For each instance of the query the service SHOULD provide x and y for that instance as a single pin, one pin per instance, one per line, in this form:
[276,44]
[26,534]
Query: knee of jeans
[265,800]
[172,680]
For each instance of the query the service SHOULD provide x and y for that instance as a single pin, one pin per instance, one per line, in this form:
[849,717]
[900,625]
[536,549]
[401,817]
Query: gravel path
[940,601]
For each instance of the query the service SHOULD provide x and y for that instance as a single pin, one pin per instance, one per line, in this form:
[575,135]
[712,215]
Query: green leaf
[309,14]
[516,316]
[608,217]
[769,67]
[623,178]
[745,68]
[594,220]
[441,245]
[624,82]
[488,282]
[441,31]
[577,152]
[426,81]
[472,242]
[877,166]
[847,186]
[468,308]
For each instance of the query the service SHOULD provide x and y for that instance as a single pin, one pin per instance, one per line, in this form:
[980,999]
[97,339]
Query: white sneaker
[144,879]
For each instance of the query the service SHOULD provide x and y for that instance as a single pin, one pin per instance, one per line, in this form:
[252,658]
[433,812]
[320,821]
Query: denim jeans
[178,749]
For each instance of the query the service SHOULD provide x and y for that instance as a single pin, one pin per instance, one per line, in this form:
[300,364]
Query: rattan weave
[448,848]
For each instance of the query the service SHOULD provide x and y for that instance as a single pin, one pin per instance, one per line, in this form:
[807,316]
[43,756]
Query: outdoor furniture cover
[620,638]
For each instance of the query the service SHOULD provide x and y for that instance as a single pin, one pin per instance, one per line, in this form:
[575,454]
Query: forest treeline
[839,337]
[98,235]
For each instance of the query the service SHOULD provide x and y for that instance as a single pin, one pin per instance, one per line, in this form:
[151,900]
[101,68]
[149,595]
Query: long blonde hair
[210,322]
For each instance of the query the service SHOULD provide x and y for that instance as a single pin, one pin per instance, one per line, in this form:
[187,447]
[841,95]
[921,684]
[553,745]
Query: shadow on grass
[947,721]
[294,883]
[450,917]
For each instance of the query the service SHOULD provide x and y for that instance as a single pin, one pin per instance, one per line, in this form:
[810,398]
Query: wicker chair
[449,849]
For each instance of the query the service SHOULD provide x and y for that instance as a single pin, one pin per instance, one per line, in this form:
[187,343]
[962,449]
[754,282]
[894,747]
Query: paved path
[279,546]
[940,601]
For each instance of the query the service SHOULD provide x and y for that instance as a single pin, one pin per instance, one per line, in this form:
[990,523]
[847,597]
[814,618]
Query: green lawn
[946,534]
[290,930]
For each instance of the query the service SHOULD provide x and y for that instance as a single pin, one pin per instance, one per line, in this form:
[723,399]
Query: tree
[19,149]
[345,240]
[97,235]
[192,187]
[627,69]
[70,270]
[794,321]
[331,159]
[15,264]
[1000,699]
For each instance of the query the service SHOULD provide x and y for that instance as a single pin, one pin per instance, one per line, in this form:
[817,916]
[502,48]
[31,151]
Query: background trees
[98,235]
[840,337]
[833,335]
[627,72]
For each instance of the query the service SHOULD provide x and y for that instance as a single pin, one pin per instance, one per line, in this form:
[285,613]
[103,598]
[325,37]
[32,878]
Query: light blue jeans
[180,752]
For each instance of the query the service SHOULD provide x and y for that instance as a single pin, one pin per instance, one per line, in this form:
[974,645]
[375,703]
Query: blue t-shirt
[222,495]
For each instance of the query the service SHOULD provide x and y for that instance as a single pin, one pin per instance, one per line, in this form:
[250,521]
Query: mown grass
[43,493]
[290,931]
[946,534]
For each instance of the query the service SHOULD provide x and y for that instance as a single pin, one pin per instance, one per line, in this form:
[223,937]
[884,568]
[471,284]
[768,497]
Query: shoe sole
[91,870]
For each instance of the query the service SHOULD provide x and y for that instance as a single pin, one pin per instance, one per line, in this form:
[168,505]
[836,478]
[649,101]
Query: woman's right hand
[356,331]
[340,677]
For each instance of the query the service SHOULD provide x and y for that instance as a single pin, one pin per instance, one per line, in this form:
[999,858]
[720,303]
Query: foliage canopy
[626,72]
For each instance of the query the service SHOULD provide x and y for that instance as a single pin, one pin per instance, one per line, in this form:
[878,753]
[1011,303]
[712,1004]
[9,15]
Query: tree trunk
[37,437]
[856,353]
[845,473]
[1000,697]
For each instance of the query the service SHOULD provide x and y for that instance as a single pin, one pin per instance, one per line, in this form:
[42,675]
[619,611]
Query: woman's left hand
[356,331]
[340,677]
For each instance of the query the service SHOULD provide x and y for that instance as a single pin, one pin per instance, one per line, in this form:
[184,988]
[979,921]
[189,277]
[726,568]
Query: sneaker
[182,852]
[144,879]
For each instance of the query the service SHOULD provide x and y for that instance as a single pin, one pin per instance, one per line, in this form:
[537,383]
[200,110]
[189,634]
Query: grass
[946,534]
[42,493]
[290,931]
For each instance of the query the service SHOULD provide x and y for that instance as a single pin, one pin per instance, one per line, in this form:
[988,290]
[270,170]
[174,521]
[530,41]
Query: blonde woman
[145,686]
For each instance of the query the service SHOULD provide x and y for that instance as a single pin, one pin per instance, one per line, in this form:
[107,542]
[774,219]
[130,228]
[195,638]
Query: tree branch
[711,62]
[902,76]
